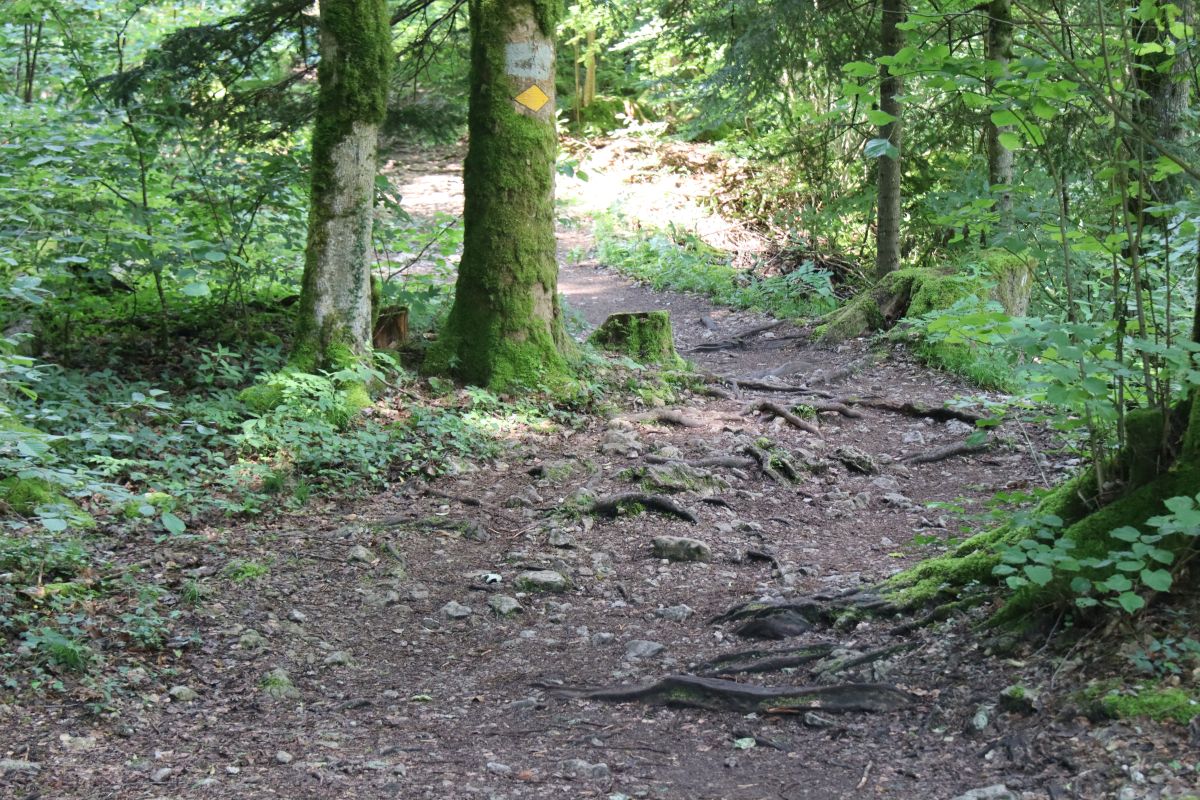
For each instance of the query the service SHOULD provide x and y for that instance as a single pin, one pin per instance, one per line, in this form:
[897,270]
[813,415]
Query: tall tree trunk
[1162,82]
[505,328]
[1000,158]
[335,299]
[589,78]
[887,235]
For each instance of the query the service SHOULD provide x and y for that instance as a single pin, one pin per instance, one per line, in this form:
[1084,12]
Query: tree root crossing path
[657,604]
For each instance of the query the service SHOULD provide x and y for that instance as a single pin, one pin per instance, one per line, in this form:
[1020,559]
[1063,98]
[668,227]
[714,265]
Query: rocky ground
[428,642]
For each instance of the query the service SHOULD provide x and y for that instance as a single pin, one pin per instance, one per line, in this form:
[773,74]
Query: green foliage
[1151,702]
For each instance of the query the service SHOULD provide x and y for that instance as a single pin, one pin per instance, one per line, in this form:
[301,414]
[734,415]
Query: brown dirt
[396,701]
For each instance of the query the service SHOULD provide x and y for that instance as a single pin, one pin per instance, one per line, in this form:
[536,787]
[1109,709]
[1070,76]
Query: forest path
[371,662]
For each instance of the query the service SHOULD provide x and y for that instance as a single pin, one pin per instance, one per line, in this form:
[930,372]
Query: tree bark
[1000,158]
[887,236]
[335,299]
[505,328]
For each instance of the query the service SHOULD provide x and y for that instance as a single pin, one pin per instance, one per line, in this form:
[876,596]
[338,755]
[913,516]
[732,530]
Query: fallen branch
[716,694]
[950,451]
[612,505]
[787,416]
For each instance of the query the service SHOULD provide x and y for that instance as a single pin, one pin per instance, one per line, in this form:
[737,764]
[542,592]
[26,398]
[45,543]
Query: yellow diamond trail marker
[532,98]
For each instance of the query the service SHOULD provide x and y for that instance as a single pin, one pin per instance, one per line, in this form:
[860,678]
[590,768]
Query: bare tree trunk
[505,328]
[335,299]
[1000,158]
[887,253]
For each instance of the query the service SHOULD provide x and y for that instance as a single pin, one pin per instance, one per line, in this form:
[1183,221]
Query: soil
[391,696]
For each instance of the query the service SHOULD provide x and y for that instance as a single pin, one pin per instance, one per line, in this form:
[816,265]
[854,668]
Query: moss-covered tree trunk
[887,230]
[335,298]
[505,327]
[1000,158]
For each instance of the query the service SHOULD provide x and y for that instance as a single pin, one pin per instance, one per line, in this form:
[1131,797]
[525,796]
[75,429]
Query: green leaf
[1080,585]
[1157,579]
[198,289]
[54,524]
[1130,602]
[877,148]
[1126,534]
[1003,118]
[172,523]
[1039,574]
[1010,141]
[859,69]
[880,118]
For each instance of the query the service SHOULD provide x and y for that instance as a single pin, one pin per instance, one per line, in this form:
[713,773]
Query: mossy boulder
[24,496]
[644,336]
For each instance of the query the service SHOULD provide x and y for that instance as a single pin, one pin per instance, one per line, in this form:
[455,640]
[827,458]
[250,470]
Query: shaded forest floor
[368,662]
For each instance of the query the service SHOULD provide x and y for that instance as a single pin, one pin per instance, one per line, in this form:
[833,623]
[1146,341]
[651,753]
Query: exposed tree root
[949,451]
[939,613]
[738,340]
[787,416]
[843,664]
[613,505]
[938,414]
[752,661]
[727,462]
[665,416]
[818,609]
[765,463]
[716,694]
[821,406]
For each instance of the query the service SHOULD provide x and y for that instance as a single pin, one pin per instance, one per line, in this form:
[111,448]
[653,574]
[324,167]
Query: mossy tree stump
[505,328]
[644,336]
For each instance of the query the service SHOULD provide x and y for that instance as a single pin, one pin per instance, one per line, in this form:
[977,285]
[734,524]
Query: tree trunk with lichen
[335,298]
[505,328]
[1000,158]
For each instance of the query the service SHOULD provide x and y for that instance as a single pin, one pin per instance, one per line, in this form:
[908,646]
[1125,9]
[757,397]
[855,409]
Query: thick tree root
[613,505]
[752,661]
[726,462]
[791,419]
[949,451]
[666,417]
[766,464]
[843,664]
[818,609]
[715,694]
[938,414]
[738,340]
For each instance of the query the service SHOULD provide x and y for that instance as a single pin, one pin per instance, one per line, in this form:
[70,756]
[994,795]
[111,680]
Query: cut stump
[644,336]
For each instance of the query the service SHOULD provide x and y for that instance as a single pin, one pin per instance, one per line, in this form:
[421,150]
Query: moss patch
[899,294]
[643,336]
[1151,702]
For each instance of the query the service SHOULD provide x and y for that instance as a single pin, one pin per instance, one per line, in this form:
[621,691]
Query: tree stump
[644,336]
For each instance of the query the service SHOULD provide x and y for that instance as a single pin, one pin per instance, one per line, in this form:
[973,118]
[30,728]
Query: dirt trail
[401,682]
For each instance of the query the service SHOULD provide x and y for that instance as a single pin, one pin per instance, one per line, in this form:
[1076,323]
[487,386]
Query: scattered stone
[900,501]
[619,442]
[856,460]
[338,658]
[995,792]
[456,610]
[474,531]
[418,592]
[913,437]
[581,770]
[526,498]
[524,704]
[602,638]
[77,744]
[980,720]
[18,765]
[504,606]
[886,484]
[360,554]
[959,428]
[297,616]
[814,720]
[1019,700]
[643,648]
[283,757]
[160,775]
[496,768]
[674,613]
[252,640]
[680,548]
[278,684]
[542,580]
[182,694]
[560,537]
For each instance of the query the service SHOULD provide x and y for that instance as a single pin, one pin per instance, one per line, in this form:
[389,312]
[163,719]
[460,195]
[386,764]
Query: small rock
[160,775]
[182,694]
[279,685]
[496,768]
[602,638]
[1019,699]
[297,616]
[542,580]
[77,744]
[814,720]
[559,537]
[643,648]
[674,613]
[360,554]
[475,532]
[338,658]
[959,428]
[524,704]
[17,765]
[455,610]
[252,640]
[886,484]
[980,720]
[504,606]
[283,757]
[418,592]
[913,437]
[680,548]
[582,770]
[856,460]
[995,792]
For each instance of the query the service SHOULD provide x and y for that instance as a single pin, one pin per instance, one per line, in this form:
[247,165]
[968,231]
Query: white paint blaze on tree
[335,304]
